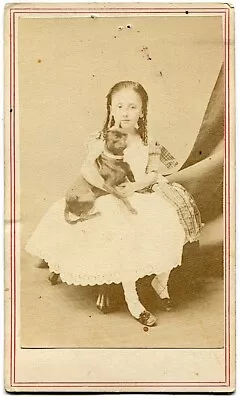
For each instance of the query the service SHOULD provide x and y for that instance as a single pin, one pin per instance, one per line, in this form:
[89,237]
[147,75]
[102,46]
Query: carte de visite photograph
[120,178]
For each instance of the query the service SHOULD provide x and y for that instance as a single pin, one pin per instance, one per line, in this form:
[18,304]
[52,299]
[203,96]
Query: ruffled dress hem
[116,278]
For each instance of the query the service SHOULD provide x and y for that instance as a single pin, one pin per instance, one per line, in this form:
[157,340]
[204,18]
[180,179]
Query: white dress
[117,245]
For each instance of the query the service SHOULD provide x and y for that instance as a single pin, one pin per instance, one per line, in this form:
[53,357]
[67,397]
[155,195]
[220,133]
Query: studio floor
[66,316]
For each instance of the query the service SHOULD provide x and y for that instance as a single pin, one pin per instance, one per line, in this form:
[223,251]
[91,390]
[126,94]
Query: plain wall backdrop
[66,67]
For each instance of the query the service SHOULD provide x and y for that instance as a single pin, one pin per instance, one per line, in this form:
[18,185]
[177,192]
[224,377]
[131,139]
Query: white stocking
[132,299]
[159,284]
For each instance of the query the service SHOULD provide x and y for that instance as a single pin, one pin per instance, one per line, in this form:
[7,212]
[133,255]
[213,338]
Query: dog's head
[116,140]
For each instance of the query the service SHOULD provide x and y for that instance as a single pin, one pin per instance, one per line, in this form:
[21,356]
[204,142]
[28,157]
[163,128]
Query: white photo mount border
[22,381]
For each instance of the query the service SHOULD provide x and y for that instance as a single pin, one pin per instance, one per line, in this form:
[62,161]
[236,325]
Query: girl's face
[126,108]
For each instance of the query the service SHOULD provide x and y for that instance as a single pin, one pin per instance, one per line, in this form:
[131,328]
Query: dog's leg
[112,190]
[82,218]
[135,307]
[86,217]
[129,206]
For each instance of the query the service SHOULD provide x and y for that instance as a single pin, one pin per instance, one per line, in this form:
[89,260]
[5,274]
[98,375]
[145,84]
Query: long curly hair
[142,122]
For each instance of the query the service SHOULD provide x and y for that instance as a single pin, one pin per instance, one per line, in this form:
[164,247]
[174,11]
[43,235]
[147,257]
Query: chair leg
[103,300]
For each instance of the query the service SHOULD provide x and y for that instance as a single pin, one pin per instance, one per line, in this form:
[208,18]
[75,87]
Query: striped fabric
[157,154]
[167,158]
[185,206]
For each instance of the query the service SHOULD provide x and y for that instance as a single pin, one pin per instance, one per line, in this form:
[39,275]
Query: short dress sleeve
[94,145]
[89,169]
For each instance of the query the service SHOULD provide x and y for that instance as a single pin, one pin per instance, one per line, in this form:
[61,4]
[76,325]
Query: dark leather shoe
[146,318]
[166,305]
[42,264]
[54,278]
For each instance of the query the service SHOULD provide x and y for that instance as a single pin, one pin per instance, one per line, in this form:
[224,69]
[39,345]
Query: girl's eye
[119,106]
[133,107]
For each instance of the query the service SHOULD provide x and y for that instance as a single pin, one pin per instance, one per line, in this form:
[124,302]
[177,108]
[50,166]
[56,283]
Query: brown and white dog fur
[81,197]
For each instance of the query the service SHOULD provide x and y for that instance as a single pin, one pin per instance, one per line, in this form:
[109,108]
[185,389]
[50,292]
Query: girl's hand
[129,188]
[126,189]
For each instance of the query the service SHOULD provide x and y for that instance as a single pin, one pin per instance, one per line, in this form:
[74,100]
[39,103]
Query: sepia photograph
[121,177]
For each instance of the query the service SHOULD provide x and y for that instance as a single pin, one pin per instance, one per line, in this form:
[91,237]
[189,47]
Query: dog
[79,201]
[80,198]
[112,167]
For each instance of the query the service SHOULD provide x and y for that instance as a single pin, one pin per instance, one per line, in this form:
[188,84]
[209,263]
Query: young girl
[117,246]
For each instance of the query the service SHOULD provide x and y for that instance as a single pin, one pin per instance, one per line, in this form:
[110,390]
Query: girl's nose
[125,113]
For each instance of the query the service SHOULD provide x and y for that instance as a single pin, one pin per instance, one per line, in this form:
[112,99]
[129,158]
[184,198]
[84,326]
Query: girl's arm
[147,180]
[129,188]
